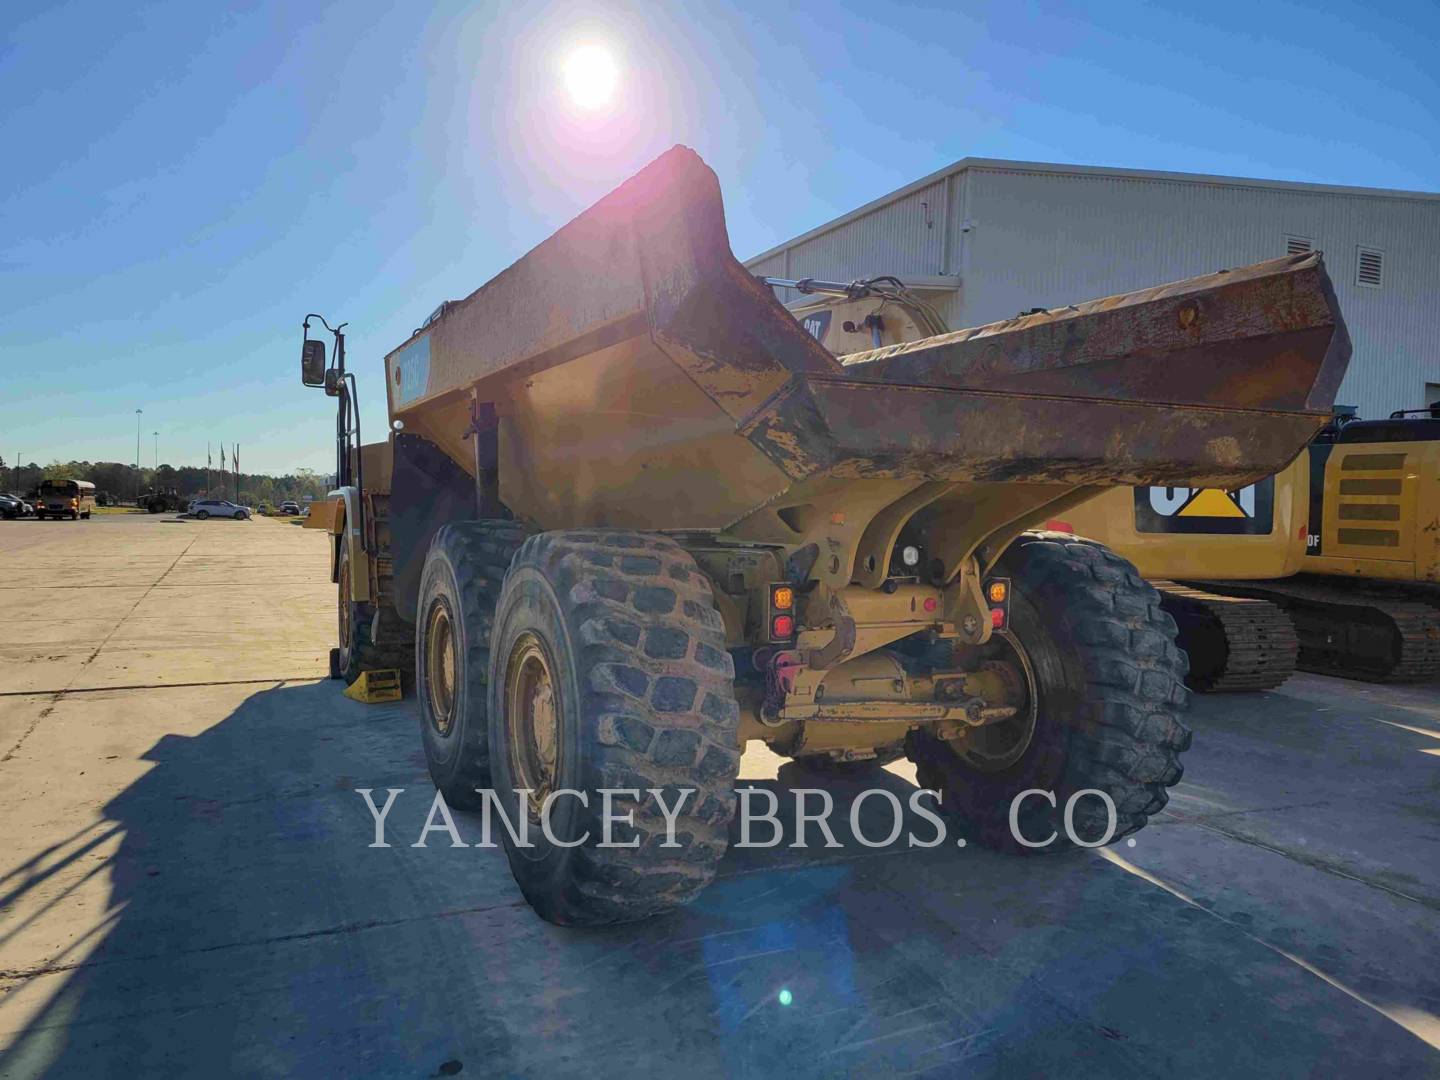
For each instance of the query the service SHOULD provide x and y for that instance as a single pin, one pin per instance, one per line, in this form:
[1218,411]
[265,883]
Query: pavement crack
[21,974]
[1316,863]
[60,694]
[280,681]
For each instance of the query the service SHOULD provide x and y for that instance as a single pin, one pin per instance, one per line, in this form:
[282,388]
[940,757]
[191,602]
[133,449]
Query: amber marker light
[997,592]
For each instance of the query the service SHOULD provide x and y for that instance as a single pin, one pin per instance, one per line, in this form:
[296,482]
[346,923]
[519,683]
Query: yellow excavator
[1367,603]
[1332,565]
[1176,535]
[1345,542]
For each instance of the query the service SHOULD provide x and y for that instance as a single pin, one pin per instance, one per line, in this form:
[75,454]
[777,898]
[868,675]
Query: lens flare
[591,76]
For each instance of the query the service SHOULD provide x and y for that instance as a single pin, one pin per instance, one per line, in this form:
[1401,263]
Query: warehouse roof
[1002,164]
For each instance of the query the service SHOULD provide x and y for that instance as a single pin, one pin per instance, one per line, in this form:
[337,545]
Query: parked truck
[161,501]
[630,514]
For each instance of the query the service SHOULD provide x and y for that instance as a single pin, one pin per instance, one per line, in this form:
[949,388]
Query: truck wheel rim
[440,668]
[344,608]
[999,745]
[532,718]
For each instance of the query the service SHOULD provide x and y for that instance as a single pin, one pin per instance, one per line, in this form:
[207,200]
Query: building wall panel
[1042,240]
[1023,237]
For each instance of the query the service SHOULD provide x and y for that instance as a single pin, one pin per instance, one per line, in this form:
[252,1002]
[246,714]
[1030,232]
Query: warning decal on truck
[1247,511]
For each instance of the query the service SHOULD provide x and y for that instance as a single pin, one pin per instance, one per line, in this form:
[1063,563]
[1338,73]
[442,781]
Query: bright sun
[590,76]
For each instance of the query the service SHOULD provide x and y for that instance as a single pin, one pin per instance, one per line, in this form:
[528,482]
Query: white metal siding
[774,266]
[1021,238]
[901,238]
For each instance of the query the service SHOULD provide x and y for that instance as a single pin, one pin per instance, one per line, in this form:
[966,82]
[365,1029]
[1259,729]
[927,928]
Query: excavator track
[1235,643]
[1352,629]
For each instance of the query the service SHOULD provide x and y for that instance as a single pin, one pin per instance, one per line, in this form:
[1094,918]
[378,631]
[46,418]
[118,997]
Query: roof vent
[1369,267]
[1299,245]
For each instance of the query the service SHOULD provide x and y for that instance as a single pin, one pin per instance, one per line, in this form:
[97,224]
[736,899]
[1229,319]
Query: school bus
[65,498]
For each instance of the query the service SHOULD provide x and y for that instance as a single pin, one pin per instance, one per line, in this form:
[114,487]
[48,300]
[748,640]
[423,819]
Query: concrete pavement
[186,886]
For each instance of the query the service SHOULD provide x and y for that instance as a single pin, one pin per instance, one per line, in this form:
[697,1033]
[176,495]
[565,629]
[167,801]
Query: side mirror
[312,363]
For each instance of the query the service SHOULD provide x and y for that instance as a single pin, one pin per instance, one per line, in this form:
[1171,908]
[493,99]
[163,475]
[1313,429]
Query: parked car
[13,506]
[208,508]
[289,506]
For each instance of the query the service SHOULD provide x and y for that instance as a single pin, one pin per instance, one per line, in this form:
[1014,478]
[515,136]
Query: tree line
[121,482]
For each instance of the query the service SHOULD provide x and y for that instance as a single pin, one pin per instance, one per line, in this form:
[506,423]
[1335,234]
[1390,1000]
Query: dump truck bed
[642,378]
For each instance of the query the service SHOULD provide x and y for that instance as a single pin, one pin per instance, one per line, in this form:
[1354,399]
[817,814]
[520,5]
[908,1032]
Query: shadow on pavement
[253,931]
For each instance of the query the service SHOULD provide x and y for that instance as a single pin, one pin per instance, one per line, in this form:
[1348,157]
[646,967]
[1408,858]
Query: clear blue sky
[183,181]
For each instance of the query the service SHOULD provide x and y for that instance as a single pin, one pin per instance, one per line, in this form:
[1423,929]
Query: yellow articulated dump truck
[633,515]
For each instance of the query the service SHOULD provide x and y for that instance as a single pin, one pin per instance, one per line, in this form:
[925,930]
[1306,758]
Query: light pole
[157,451]
[137,455]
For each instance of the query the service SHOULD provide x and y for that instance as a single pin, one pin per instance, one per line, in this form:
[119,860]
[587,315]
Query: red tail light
[997,594]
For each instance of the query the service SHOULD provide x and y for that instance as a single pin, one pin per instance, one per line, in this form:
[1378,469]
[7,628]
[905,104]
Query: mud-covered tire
[464,571]
[644,698]
[357,650]
[1111,693]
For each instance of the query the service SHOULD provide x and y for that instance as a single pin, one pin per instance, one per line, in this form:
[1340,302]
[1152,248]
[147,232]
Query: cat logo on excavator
[1247,511]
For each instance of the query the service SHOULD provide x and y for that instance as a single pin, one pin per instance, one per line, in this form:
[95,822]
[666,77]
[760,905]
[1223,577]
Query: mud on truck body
[631,515]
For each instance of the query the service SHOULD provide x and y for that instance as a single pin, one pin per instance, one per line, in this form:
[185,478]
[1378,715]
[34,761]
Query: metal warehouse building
[984,240]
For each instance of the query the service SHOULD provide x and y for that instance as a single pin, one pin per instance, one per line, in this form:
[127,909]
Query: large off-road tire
[609,670]
[357,650]
[459,585]
[1107,685]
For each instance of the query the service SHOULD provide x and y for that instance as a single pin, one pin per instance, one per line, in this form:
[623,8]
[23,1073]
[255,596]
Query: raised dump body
[638,516]
[644,379]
